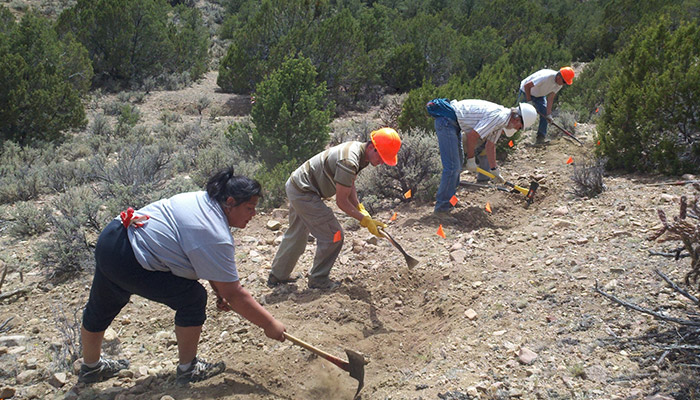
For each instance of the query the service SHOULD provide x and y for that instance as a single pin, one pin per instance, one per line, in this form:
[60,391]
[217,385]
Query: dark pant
[118,275]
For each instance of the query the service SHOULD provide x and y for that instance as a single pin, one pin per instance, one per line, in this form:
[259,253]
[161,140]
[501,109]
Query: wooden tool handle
[335,360]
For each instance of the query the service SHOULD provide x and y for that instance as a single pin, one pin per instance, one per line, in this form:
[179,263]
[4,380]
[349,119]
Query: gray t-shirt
[187,235]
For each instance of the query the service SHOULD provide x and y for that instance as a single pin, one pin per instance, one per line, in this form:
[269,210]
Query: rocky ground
[503,307]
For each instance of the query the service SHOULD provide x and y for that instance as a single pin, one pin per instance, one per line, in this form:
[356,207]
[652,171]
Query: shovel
[410,261]
[529,193]
[571,135]
[355,364]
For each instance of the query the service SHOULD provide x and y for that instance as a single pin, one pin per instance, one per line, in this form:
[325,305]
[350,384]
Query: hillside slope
[451,328]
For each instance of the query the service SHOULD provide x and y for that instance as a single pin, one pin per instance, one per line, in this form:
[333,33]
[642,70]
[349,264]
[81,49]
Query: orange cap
[387,142]
[567,74]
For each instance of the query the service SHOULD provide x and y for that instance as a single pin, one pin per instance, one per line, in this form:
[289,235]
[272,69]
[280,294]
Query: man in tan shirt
[331,172]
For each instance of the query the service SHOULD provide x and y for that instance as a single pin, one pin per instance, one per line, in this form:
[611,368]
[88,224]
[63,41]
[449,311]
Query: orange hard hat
[567,73]
[387,142]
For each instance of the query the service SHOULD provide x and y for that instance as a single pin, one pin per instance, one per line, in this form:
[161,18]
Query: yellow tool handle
[492,176]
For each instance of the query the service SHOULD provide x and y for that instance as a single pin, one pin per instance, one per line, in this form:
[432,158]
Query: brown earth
[526,276]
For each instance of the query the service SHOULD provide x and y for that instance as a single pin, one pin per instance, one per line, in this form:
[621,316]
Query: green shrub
[273,181]
[29,220]
[131,40]
[651,108]
[43,79]
[418,169]
[60,176]
[290,114]
[21,171]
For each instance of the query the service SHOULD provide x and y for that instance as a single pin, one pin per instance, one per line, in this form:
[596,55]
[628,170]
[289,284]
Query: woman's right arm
[240,301]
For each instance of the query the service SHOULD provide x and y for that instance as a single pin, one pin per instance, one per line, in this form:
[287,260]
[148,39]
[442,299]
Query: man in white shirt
[479,120]
[540,89]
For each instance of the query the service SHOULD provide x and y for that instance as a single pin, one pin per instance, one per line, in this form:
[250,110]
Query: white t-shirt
[486,118]
[187,235]
[544,83]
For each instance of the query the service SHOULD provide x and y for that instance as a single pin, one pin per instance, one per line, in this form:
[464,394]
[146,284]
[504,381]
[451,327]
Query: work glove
[471,164]
[362,210]
[549,119]
[497,176]
[373,225]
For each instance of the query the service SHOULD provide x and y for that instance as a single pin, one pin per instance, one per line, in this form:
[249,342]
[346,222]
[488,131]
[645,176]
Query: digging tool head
[531,192]
[356,368]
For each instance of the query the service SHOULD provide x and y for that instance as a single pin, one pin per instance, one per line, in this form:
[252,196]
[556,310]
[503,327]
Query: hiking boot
[199,370]
[104,370]
[324,283]
[541,140]
[273,281]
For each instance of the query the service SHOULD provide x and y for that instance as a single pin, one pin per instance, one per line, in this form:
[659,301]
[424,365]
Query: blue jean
[452,157]
[540,104]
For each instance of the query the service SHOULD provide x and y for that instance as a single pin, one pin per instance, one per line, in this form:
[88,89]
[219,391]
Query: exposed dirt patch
[527,273]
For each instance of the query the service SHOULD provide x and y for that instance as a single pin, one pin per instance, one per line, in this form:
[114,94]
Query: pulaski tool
[355,364]
[529,193]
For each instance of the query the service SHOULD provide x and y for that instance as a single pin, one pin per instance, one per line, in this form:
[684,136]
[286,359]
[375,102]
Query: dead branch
[677,289]
[4,324]
[676,254]
[13,293]
[4,273]
[643,310]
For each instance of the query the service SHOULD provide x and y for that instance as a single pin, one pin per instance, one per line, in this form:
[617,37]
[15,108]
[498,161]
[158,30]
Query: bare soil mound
[501,285]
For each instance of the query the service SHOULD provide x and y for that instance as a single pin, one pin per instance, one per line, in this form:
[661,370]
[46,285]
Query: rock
[562,223]
[610,285]
[658,397]
[279,213]
[458,256]
[27,376]
[561,211]
[167,397]
[7,392]
[273,225]
[499,333]
[668,198]
[110,335]
[596,373]
[58,379]
[526,356]
[372,240]
[470,314]
[13,341]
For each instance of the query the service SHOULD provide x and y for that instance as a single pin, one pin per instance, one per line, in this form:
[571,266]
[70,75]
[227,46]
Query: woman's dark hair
[224,184]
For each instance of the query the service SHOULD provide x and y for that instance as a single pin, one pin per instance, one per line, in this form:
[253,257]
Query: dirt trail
[524,275]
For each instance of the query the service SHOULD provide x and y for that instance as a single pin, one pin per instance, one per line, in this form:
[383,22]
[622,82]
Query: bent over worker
[479,120]
[331,172]
[159,252]
[540,89]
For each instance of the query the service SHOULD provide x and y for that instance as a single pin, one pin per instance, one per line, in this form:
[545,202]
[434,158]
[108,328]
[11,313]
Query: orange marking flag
[570,160]
[454,200]
[598,144]
[440,232]
[407,194]
[393,217]
[488,208]
[511,144]
[337,237]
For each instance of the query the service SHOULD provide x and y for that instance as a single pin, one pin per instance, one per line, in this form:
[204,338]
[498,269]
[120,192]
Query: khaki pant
[307,214]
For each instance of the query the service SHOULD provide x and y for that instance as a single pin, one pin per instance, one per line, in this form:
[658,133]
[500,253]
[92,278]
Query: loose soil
[525,276]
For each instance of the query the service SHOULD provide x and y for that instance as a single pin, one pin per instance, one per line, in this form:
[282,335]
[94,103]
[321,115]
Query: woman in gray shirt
[160,252]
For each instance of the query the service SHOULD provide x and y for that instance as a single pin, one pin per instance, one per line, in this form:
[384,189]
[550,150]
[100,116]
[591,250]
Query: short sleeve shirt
[486,118]
[544,83]
[338,165]
[187,235]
